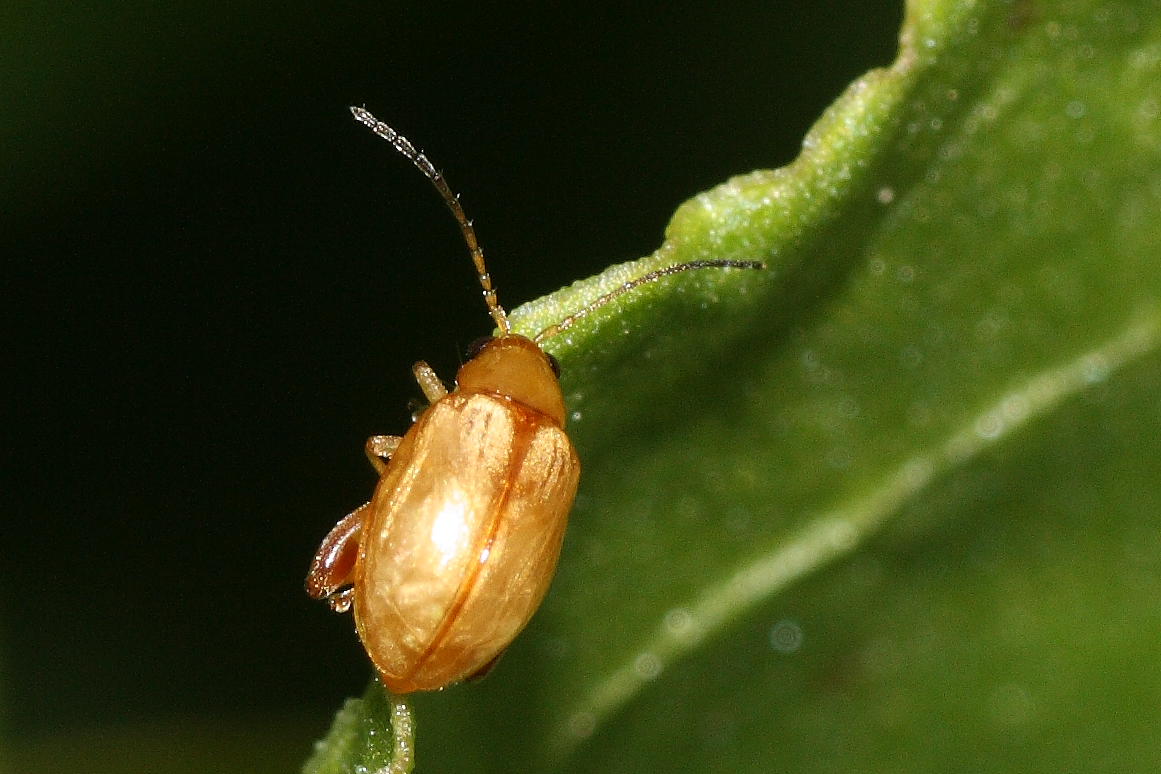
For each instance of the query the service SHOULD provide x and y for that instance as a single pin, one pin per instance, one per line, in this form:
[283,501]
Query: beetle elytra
[457,548]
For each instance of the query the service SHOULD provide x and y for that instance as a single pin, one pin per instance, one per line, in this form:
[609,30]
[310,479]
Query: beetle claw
[341,601]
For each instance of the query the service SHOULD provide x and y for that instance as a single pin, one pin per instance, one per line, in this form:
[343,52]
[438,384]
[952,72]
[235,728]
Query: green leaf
[375,733]
[889,505]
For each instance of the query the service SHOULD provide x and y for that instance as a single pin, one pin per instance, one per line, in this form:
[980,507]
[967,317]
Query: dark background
[215,284]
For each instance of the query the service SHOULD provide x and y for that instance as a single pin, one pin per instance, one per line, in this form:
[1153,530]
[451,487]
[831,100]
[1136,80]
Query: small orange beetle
[457,548]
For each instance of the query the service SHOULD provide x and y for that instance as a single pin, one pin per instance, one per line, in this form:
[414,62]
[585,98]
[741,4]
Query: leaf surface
[891,503]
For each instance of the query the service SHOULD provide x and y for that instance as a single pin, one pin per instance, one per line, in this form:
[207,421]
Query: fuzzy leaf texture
[891,504]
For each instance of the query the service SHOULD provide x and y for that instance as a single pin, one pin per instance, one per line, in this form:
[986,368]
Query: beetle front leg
[333,565]
[432,387]
[379,449]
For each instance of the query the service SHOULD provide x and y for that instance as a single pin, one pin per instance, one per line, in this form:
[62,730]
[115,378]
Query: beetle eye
[555,364]
[477,346]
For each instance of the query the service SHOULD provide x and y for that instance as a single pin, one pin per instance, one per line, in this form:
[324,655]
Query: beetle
[457,547]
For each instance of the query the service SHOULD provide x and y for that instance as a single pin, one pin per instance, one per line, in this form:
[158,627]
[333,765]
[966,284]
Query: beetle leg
[379,449]
[334,563]
[341,601]
[432,387]
[483,671]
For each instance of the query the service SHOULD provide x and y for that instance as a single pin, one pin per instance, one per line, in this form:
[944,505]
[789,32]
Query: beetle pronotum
[456,550]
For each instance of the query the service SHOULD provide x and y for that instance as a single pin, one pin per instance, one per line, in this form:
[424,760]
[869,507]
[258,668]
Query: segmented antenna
[632,284]
[416,157]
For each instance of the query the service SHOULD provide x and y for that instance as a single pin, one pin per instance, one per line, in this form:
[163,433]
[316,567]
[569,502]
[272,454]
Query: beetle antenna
[452,200]
[644,279]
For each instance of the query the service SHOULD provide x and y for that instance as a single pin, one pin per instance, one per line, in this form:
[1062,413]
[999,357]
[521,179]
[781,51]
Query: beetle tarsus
[379,449]
[432,387]
[341,601]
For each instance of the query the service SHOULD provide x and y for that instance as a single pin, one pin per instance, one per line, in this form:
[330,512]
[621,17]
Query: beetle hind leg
[483,671]
[333,565]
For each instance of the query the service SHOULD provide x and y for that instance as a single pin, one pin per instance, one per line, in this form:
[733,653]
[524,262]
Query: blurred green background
[216,283]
